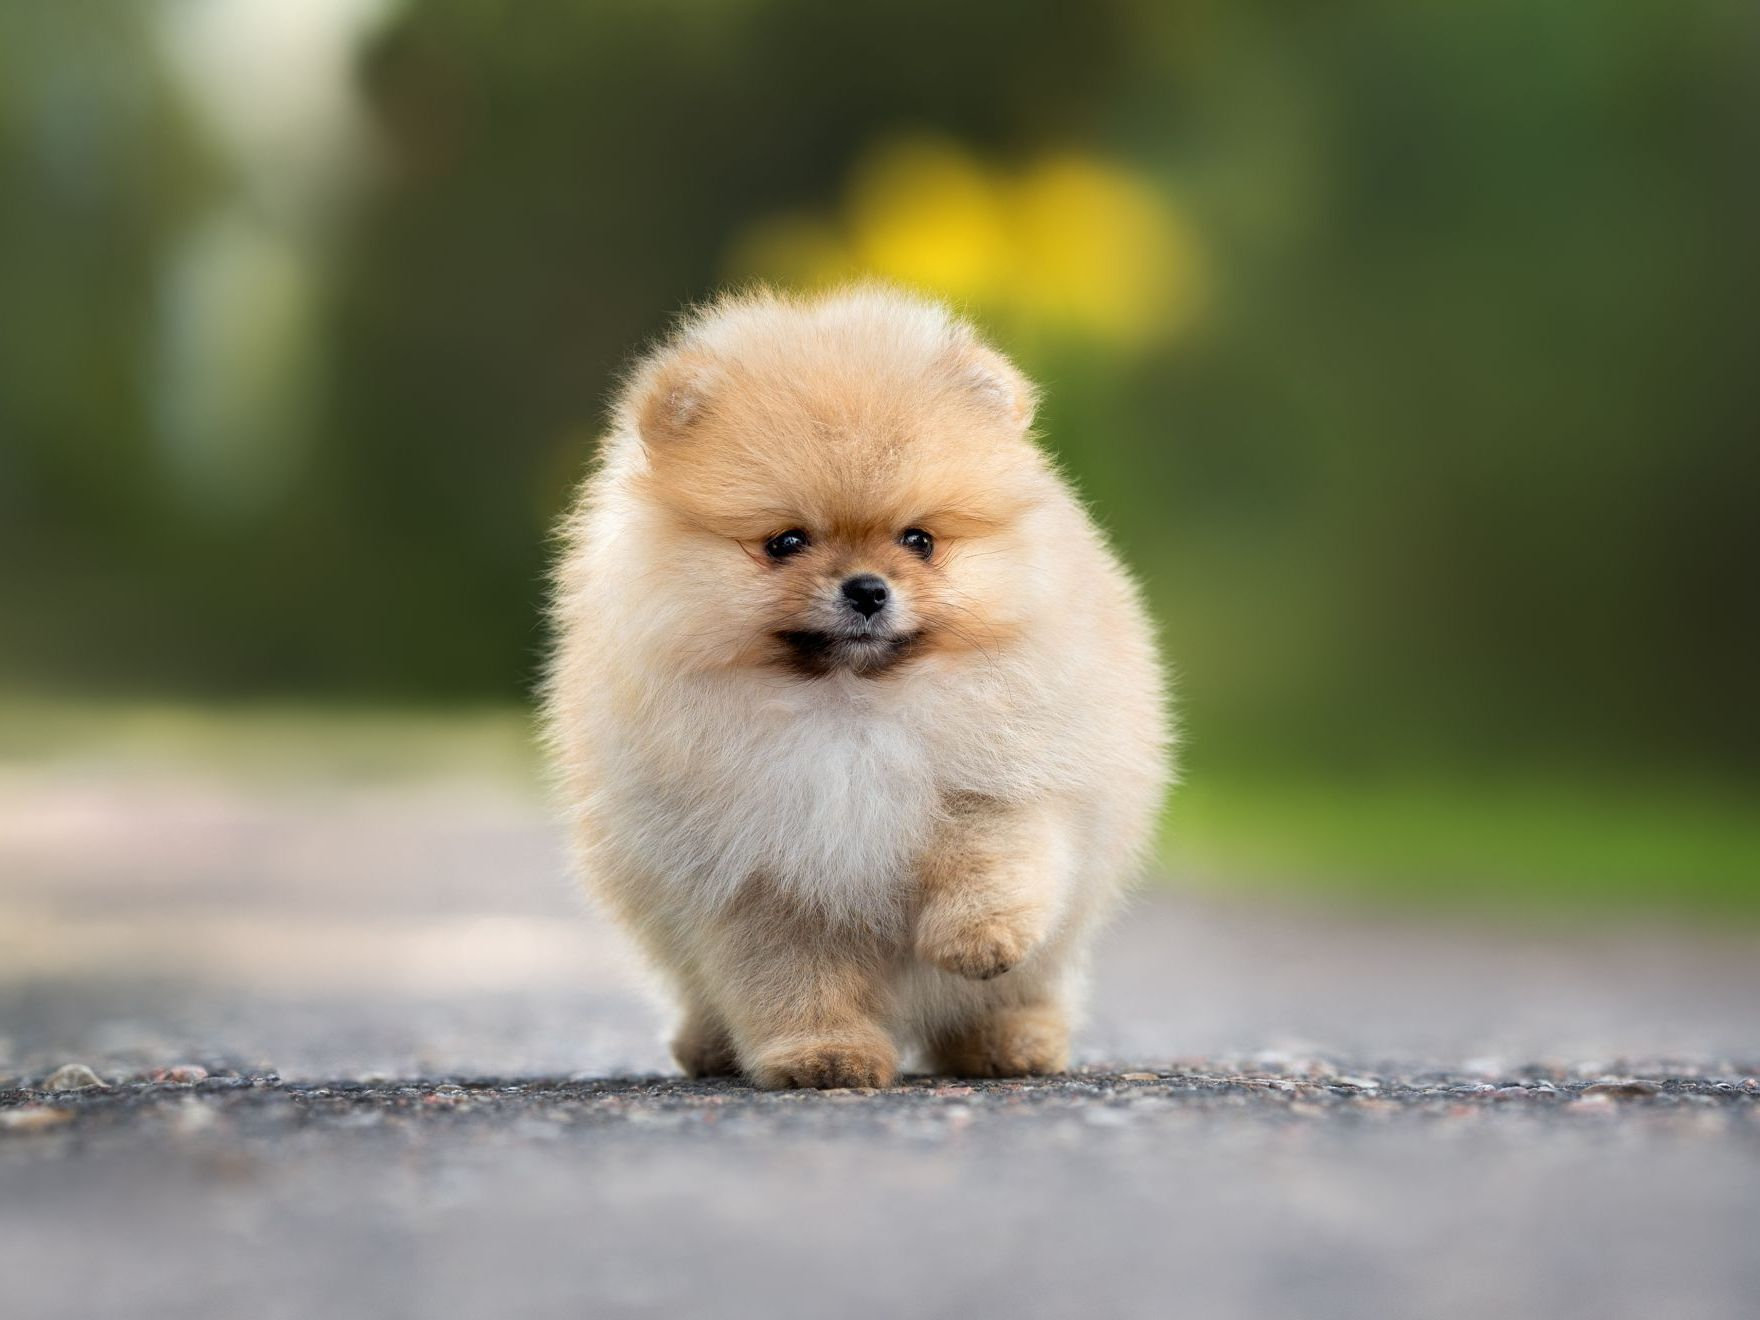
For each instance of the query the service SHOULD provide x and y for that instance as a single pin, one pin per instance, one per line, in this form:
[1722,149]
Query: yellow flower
[1071,245]
[924,212]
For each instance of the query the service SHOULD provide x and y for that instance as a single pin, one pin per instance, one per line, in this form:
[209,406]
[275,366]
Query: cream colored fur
[912,844]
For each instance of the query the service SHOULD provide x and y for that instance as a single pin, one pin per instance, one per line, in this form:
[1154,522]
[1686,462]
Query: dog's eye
[785,544]
[917,541]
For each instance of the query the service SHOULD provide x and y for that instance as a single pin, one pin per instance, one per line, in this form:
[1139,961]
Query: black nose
[866,594]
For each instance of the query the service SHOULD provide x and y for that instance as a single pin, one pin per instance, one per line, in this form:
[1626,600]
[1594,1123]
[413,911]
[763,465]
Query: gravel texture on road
[263,1107]
[361,1054]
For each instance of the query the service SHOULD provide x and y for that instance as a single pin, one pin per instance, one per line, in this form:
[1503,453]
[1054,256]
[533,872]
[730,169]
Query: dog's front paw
[825,1064]
[978,950]
[1026,1042]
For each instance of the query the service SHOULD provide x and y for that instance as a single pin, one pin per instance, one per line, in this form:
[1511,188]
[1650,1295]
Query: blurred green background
[1407,348]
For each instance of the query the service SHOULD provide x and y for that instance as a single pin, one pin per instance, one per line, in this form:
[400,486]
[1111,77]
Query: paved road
[433,1088]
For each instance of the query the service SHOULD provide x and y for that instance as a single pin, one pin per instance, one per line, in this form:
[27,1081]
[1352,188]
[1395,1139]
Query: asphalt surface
[361,1052]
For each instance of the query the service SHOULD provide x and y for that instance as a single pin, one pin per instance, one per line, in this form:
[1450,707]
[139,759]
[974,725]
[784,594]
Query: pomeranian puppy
[858,722]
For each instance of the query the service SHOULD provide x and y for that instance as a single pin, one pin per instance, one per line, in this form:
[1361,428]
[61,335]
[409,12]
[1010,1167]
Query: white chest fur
[829,788]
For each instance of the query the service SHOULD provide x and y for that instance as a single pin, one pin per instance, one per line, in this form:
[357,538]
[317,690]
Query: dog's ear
[994,382]
[670,396]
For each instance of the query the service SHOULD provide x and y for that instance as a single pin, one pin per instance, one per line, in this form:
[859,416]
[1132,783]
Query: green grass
[281,741]
[1533,844]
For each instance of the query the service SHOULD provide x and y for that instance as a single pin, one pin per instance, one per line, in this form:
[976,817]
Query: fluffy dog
[858,722]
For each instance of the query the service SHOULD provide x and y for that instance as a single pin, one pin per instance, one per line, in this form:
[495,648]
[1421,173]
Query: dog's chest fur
[831,788]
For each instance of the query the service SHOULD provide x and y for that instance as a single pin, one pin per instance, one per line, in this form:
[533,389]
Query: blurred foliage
[1407,349]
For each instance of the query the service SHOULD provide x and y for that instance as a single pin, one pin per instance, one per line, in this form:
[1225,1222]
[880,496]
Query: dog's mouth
[815,653]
